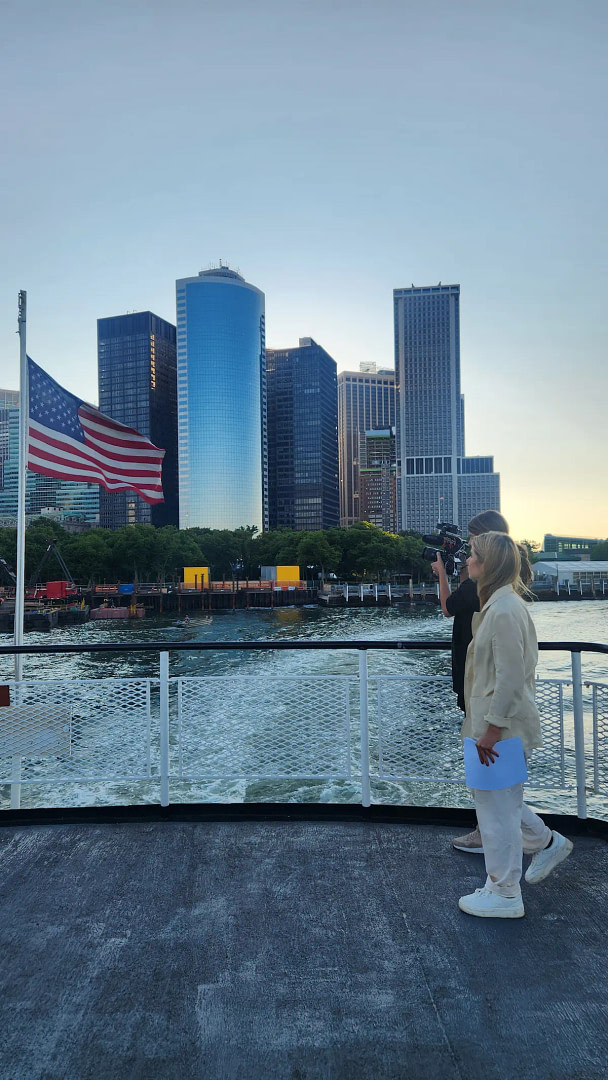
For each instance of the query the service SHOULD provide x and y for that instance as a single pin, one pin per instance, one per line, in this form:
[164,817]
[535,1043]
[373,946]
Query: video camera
[447,541]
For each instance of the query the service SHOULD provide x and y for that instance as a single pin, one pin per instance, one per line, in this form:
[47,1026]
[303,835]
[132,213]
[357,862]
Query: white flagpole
[23,432]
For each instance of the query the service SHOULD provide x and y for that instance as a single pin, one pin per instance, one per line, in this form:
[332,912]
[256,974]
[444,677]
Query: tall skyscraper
[221,379]
[302,437]
[366,402]
[435,478]
[138,386]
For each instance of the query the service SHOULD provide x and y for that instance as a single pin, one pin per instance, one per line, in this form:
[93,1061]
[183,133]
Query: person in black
[460,606]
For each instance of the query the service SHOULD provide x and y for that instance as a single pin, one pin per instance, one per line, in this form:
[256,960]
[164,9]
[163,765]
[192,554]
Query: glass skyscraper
[435,477]
[221,381]
[138,387]
[366,402]
[9,399]
[302,438]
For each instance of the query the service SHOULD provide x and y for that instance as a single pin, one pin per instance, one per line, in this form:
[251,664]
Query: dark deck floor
[295,951]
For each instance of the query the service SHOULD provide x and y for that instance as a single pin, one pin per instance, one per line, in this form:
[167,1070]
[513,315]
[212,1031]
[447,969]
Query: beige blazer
[500,669]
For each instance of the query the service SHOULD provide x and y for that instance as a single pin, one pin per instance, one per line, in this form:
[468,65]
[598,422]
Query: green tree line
[144,553]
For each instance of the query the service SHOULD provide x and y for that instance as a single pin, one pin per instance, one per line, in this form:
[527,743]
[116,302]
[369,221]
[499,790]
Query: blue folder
[507,769]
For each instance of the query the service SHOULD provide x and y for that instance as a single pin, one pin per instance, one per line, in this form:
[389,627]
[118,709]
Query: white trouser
[508,828]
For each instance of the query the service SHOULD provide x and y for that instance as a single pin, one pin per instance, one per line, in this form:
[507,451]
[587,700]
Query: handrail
[215,646]
[362,646]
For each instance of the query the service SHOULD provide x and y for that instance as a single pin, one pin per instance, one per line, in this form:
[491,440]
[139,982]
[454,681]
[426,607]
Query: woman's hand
[486,743]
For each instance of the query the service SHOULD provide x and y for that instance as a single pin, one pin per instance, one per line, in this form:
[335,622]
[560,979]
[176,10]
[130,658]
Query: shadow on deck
[296,951]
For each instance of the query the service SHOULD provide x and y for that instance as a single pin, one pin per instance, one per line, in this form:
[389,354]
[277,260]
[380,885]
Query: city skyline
[351,151]
[225,271]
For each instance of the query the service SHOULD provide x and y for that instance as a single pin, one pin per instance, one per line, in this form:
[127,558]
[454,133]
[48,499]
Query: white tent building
[574,574]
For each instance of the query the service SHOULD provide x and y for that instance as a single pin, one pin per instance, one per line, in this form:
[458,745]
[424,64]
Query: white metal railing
[360,728]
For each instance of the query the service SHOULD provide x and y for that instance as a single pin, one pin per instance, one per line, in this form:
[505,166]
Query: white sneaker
[543,862]
[488,905]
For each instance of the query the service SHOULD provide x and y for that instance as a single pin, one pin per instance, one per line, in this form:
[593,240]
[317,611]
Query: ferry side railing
[599,694]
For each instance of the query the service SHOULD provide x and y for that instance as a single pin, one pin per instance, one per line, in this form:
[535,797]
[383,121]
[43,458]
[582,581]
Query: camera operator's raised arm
[438,568]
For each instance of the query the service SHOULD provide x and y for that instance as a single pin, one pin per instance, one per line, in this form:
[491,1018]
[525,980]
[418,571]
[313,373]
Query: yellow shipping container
[288,575]
[196,577]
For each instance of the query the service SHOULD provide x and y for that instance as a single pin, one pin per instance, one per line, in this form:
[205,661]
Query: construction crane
[52,549]
[6,570]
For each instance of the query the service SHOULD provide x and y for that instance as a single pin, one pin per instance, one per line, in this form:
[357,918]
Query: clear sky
[332,150]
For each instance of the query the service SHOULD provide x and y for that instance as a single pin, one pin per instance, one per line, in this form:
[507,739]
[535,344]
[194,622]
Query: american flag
[75,441]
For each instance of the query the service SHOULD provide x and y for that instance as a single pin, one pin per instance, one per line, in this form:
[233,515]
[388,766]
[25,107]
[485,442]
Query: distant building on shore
[378,479]
[302,437]
[366,402]
[221,379]
[579,572]
[73,504]
[568,547]
[9,399]
[138,387]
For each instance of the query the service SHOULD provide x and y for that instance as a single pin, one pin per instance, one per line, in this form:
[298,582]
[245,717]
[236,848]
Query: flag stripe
[40,452]
[96,416]
[148,494]
[38,435]
[115,436]
[133,451]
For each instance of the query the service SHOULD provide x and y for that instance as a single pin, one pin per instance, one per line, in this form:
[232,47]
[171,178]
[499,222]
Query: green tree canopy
[147,554]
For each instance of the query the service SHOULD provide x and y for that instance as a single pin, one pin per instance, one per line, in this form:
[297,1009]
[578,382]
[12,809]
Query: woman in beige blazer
[499,699]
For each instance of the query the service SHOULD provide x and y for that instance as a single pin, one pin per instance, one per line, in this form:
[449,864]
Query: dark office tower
[302,437]
[437,482]
[366,402]
[138,387]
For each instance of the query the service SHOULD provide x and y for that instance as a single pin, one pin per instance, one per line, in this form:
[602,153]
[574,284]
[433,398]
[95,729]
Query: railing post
[579,735]
[164,729]
[365,792]
[16,761]
[16,782]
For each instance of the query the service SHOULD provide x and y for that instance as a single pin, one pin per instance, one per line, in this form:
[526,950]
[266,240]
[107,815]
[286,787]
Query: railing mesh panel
[551,766]
[245,726]
[109,736]
[415,733]
[600,736]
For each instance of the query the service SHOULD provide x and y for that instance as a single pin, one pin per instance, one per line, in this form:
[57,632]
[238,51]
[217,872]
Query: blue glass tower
[221,401]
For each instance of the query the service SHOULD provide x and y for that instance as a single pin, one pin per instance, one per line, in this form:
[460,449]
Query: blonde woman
[499,698]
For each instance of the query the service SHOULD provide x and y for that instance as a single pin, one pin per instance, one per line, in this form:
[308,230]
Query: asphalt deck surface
[296,951]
